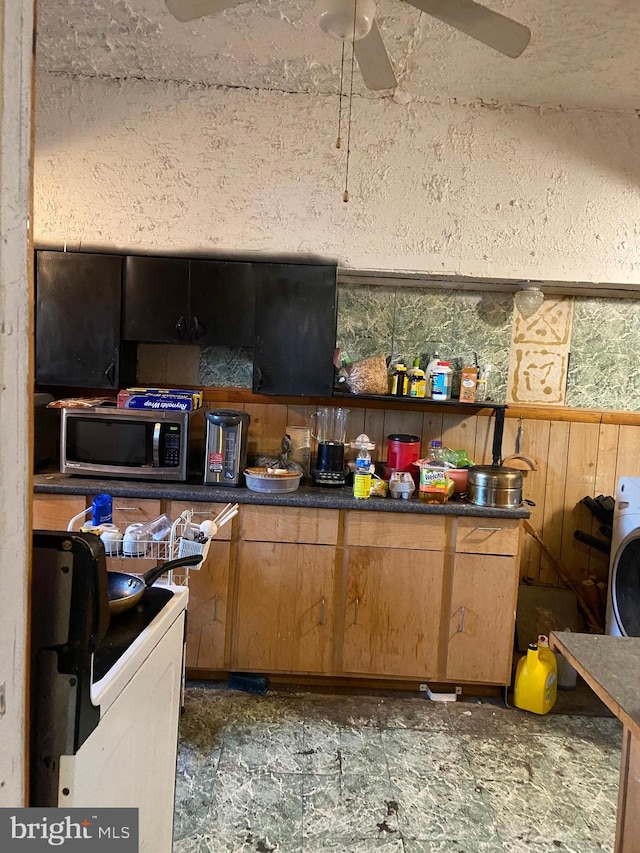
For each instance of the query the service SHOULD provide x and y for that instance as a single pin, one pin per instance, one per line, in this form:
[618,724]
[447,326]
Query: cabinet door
[295,329]
[208,592]
[393,609]
[482,618]
[54,512]
[156,300]
[222,303]
[284,617]
[77,322]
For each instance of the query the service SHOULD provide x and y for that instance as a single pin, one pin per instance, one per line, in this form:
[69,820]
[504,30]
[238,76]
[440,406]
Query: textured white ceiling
[583,53]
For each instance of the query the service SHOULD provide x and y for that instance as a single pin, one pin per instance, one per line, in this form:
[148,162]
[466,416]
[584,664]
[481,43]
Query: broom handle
[566,577]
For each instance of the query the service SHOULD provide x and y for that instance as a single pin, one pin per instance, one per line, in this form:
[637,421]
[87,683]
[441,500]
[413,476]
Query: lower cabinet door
[208,590]
[393,608]
[207,609]
[284,615]
[482,618]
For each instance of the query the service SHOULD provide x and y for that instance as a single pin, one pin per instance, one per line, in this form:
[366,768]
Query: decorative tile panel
[539,356]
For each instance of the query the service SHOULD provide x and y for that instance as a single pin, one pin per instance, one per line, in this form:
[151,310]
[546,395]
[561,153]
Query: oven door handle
[156,444]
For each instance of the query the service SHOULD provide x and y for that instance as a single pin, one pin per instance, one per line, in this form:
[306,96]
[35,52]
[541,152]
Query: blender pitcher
[329,425]
[329,428]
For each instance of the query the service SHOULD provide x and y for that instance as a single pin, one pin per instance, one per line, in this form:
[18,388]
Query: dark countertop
[304,496]
[610,666]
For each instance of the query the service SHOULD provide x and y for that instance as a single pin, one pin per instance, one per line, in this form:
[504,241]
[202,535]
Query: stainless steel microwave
[113,442]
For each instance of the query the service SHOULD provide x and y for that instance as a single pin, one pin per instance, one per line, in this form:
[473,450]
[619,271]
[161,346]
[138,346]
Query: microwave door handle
[156,445]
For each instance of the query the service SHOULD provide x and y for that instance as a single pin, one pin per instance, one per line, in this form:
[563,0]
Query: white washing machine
[623,596]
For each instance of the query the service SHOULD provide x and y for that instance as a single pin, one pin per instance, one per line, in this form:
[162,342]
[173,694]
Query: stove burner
[126,627]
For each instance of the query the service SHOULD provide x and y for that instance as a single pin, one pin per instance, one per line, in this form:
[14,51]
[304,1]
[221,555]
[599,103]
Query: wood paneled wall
[577,452]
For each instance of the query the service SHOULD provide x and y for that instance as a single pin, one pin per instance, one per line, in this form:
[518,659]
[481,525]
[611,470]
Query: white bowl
[268,480]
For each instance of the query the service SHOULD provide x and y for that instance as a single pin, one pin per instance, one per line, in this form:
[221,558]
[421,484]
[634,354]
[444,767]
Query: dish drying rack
[186,539]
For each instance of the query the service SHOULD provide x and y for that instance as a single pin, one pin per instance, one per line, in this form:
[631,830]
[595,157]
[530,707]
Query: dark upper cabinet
[175,300]
[295,329]
[156,300]
[77,321]
[222,302]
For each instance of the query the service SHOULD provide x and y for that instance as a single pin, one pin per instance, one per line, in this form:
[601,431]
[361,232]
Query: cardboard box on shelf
[468,384]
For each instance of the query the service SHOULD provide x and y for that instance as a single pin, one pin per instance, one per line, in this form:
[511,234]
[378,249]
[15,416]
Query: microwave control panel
[171,446]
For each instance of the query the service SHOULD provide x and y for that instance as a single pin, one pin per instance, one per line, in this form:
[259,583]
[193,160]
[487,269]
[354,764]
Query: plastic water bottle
[101,510]
[362,476]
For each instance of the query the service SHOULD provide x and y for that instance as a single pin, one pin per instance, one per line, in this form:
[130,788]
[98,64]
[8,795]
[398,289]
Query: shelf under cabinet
[498,410]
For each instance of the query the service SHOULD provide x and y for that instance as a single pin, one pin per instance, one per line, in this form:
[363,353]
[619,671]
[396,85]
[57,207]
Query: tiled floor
[352,774]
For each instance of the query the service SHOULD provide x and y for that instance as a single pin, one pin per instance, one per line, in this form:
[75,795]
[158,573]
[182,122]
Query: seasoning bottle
[362,475]
[399,383]
[441,381]
[416,380]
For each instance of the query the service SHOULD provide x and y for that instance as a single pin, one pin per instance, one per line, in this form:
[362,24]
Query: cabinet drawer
[201,512]
[396,530]
[54,512]
[288,524]
[488,536]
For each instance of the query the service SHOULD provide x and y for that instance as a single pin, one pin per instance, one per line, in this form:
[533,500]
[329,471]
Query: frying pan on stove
[125,590]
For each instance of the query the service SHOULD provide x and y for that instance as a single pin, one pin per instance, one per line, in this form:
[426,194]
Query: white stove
[106,718]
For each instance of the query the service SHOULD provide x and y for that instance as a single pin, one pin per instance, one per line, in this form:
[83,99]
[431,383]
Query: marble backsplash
[412,322]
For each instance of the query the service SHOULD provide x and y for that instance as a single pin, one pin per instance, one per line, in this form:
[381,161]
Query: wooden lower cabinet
[393,611]
[207,611]
[54,512]
[482,618]
[313,591]
[284,607]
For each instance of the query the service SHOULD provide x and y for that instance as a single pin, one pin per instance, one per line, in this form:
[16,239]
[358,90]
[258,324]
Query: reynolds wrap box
[160,399]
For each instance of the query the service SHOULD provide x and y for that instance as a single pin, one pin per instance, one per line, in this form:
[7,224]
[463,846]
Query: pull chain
[339,138]
[345,194]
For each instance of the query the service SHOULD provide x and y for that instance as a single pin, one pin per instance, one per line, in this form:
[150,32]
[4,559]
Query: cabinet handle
[181,328]
[215,608]
[460,628]
[492,529]
[321,621]
[355,611]
[110,372]
[198,329]
[127,508]
[259,375]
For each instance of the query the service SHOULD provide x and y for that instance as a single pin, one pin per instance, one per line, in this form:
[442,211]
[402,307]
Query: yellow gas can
[536,683]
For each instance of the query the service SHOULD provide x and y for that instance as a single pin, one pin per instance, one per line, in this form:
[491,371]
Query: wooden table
[611,667]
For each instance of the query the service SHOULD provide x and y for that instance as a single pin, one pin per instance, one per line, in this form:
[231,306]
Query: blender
[329,428]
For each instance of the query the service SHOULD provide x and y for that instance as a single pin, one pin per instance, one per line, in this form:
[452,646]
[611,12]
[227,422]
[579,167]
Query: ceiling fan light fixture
[336,18]
[528,300]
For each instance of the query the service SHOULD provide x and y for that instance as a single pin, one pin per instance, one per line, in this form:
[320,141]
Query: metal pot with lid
[495,486]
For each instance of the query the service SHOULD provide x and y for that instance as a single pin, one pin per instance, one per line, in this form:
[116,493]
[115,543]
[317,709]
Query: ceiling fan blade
[373,60]
[188,10]
[491,28]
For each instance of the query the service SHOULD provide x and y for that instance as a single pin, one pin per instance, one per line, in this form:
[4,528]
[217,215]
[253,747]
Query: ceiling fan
[355,19]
